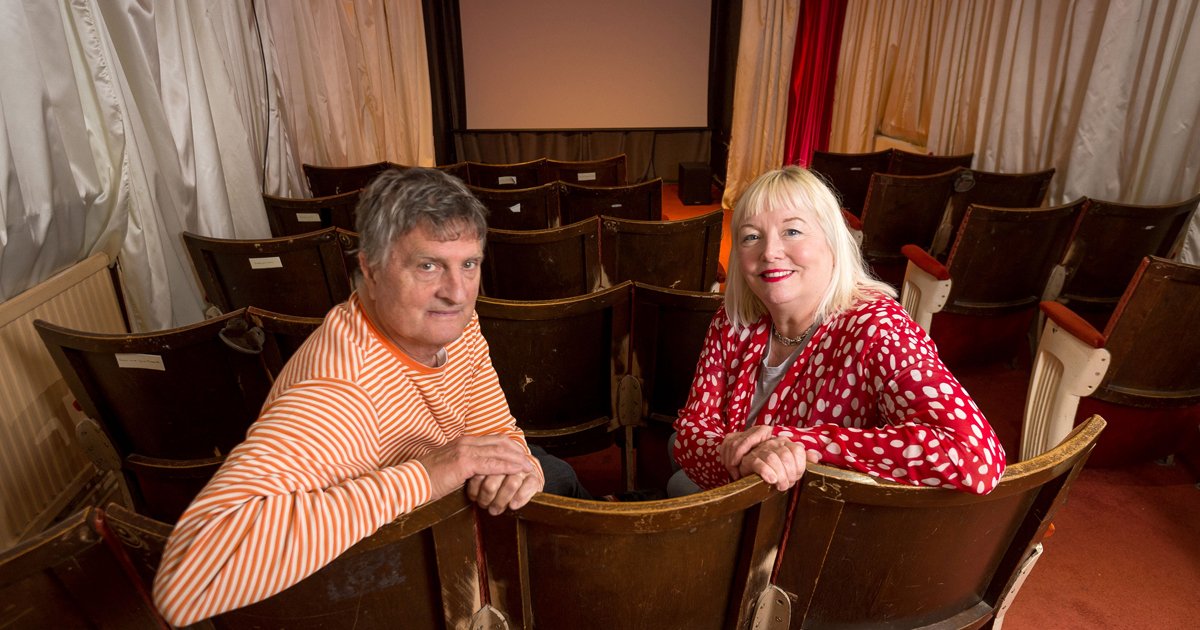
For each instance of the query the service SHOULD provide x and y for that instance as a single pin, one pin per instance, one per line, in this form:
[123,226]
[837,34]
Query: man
[392,403]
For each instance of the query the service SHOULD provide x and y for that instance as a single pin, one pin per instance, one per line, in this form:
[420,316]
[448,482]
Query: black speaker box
[695,183]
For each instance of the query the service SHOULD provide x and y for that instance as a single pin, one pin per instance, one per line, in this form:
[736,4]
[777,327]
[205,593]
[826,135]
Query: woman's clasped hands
[778,460]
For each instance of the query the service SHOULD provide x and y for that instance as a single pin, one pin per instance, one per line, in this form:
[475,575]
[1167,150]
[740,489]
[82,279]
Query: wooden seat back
[902,210]
[66,577]
[282,335]
[668,335]
[865,553]
[516,175]
[849,174]
[533,208]
[166,487]
[681,255]
[998,190]
[184,393]
[606,172]
[458,169]
[560,363]
[908,163]
[691,562]
[542,264]
[1152,338]
[1110,243]
[299,275]
[1002,258]
[634,201]
[324,181]
[289,217]
[391,578]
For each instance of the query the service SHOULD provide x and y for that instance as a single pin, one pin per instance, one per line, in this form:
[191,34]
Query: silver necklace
[793,341]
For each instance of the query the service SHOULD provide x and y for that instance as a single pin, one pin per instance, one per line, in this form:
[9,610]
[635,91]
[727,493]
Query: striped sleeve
[305,486]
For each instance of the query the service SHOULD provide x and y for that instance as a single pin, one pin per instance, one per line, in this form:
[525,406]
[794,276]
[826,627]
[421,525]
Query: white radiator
[41,467]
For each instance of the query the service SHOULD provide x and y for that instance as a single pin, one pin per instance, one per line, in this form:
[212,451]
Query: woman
[811,354]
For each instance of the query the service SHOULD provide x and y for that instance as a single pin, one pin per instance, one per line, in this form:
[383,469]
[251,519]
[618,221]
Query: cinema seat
[290,217]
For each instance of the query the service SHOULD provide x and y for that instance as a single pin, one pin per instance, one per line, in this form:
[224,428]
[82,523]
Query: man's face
[423,296]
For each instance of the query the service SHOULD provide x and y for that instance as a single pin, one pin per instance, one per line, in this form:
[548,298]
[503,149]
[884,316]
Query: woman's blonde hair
[795,187]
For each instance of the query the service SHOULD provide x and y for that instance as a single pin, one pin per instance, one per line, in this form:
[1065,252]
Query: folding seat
[606,172]
[900,210]
[635,201]
[998,190]
[542,264]
[563,365]
[324,181]
[865,553]
[908,163]
[683,255]
[516,175]
[995,276]
[691,562]
[850,174]
[1142,372]
[164,407]
[290,217]
[533,208]
[282,335]
[1109,245]
[303,275]
[667,337]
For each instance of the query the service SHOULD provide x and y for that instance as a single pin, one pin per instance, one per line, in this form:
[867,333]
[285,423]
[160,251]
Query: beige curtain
[1102,91]
[356,75]
[124,124]
[760,93]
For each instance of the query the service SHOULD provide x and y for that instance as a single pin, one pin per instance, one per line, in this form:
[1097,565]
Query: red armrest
[925,262]
[853,222]
[1074,324]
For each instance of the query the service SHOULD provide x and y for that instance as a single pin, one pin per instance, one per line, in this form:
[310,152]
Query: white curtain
[1108,93]
[358,72]
[125,124]
[128,122]
[760,92]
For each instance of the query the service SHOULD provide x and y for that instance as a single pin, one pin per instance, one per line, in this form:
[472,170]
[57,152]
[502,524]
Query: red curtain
[814,72]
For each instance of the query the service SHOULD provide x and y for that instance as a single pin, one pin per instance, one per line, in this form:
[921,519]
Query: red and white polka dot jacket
[868,392]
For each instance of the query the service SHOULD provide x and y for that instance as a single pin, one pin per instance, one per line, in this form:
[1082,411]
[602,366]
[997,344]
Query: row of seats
[166,407]
[324,181]
[928,209]
[841,549]
[601,252]
[308,274]
[850,173]
[1003,261]
[538,207]
[1140,369]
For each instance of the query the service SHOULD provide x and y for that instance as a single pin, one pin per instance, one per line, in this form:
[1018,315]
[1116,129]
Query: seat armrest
[1066,368]
[1069,321]
[926,286]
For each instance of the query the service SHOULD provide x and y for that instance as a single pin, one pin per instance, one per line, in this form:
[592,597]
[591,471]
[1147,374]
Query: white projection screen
[585,64]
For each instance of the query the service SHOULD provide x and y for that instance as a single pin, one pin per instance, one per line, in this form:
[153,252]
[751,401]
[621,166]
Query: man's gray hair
[400,200]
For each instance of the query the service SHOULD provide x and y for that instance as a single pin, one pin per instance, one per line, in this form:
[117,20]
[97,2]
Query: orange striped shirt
[328,462]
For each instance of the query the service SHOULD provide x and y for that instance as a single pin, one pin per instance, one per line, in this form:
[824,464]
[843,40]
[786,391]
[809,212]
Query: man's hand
[779,461]
[451,465]
[497,492]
